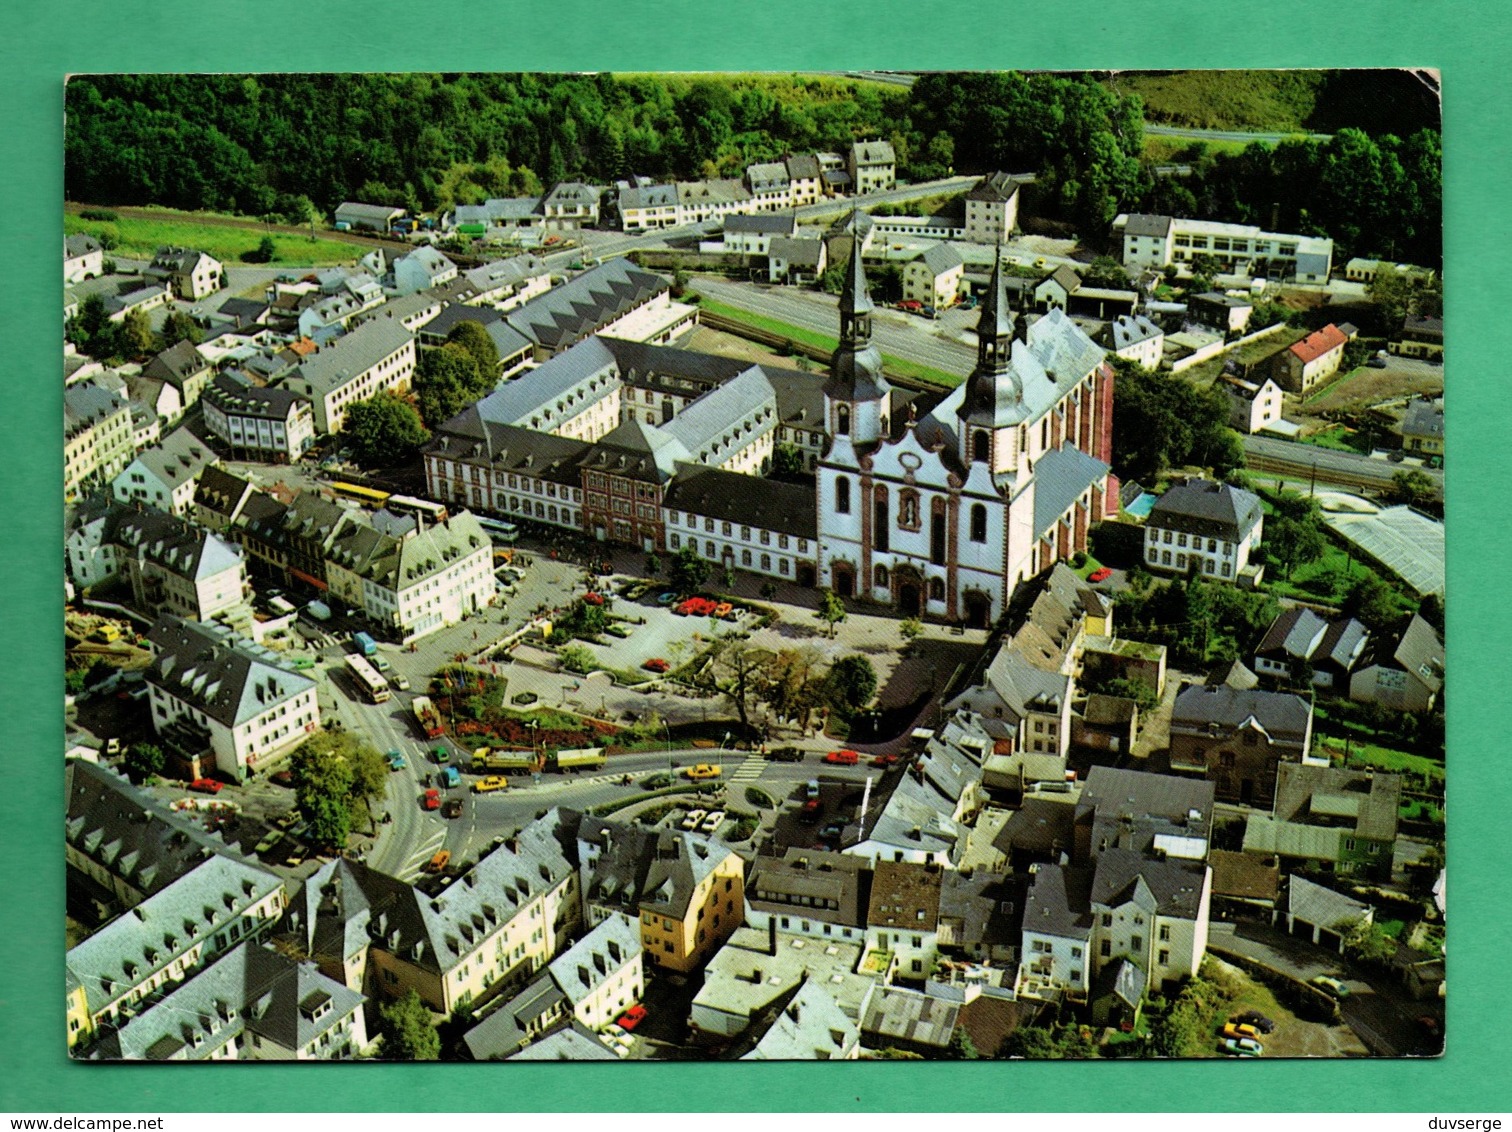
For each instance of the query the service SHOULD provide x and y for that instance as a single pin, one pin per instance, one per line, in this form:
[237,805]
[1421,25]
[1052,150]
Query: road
[1227,135]
[905,336]
[1341,469]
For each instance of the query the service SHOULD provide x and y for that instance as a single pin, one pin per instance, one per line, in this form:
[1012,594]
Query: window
[1181,540]
[936,589]
[842,421]
[745,557]
[1165,956]
[1076,953]
[879,577]
[981,445]
[842,495]
[1166,537]
[1136,942]
[1165,933]
[1106,948]
[978,523]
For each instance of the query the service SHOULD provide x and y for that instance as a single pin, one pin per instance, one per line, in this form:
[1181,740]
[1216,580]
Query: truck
[365,644]
[427,717]
[486,761]
[583,758]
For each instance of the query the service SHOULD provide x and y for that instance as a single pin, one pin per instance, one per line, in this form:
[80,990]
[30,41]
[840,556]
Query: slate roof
[775,223]
[1132,808]
[873,153]
[1166,887]
[914,817]
[826,886]
[174,544]
[1040,826]
[1065,277]
[1292,634]
[586,304]
[573,192]
[720,422]
[611,946]
[940,258]
[358,211]
[507,1028]
[509,448]
[495,209]
[773,505]
[239,398]
[350,355]
[1144,224]
[640,869]
[904,895]
[251,990]
[637,451]
[1060,477]
[764,174]
[1128,330]
[572,1042]
[1282,715]
[86,405]
[1424,418]
[998,187]
[1368,803]
[987,908]
[1423,326]
[1206,508]
[1418,651]
[223,494]
[79,245]
[454,314]
[648,196]
[1059,902]
[1314,904]
[803,166]
[178,457]
[796,252]
[810,1026]
[177,364]
[1234,675]
[226,677]
[585,365]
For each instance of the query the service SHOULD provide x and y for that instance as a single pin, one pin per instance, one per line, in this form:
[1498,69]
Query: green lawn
[140,239]
[896,366]
[1372,755]
[1330,386]
[1340,438]
[1264,101]
[1162,150]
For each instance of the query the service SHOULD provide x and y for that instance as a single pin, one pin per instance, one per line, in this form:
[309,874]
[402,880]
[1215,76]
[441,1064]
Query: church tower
[992,408]
[856,396]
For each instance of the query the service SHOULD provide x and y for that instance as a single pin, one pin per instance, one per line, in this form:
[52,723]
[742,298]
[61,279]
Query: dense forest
[296,145]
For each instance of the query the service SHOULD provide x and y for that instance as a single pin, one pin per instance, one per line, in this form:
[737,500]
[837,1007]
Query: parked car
[787,755]
[1241,1047]
[1240,1030]
[206,786]
[812,789]
[400,682]
[1102,573]
[692,818]
[913,306]
[632,1017]
[1330,985]
[1257,1020]
[883,760]
[656,664]
[431,799]
[397,761]
[833,830]
[843,758]
[702,771]
[439,862]
[712,823]
[452,809]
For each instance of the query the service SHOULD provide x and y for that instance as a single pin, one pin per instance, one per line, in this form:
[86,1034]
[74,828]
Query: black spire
[855,303]
[856,366]
[994,331]
[992,392]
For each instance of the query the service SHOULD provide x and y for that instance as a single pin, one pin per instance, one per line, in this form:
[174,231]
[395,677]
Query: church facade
[944,515]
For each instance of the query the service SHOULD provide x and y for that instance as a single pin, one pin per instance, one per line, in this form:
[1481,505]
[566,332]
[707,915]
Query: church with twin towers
[943,514]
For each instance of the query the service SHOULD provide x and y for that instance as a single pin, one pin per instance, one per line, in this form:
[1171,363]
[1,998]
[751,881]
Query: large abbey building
[939,512]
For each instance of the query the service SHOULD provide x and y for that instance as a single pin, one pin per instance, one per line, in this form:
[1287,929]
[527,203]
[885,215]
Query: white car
[694,817]
[712,822]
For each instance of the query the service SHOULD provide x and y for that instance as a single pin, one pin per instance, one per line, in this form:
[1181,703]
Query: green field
[140,239]
[897,366]
[1265,101]
[1162,150]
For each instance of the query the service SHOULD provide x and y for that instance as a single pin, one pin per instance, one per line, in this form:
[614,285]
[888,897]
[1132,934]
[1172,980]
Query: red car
[883,760]
[656,664]
[431,800]
[633,1017]
[1099,574]
[844,758]
[206,786]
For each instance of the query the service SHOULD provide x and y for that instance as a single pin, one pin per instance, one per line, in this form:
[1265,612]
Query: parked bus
[498,529]
[367,496]
[422,508]
[374,686]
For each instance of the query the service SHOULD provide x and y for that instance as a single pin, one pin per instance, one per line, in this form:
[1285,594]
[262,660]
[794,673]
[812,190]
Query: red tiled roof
[303,346]
[1318,343]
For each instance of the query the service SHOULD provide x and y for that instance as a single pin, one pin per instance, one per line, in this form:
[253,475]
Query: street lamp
[723,743]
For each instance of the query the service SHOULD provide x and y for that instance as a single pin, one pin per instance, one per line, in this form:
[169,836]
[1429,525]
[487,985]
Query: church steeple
[856,395]
[993,402]
[994,329]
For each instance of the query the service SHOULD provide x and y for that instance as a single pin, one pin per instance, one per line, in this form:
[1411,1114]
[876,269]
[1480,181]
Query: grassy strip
[899,367]
[1332,386]
[140,239]
[1335,439]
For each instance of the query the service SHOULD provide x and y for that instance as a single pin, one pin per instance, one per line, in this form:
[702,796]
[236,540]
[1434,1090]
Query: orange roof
[1318,343]
[303,347]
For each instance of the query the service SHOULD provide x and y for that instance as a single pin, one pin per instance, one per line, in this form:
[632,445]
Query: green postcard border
[41,43]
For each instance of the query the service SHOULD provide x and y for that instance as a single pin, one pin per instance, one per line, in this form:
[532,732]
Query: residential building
[1228,315]
[615,298]
[98,437]
[1155,241]
[759,968]
[514,1025]
[904,915]
[1157,815]
[753,234]
[643,208]
[375,217]
[770,185]
[253,1004]
[571,205]
[1402,670]
[221,501]
[806,179]
[873,166]
[183,367]
[506,283]
[1314,359]
[421,270]
[773,532]
[83,258]
[571,1042]
[1136,338]
[189,273]
[129,963]
[504,216]
[812,1026]
[146,299]
[600,975]
[687,891]
[935,277]
[1205,525]
[947,513]
[1423,427]
[274,425]
[1421,336]
[992,209]
[810,893]
[1301,646]
[910,1020]
[164,476]
[1238,739]
[377,356]
[1253,405]
[698,201]
[795,260]
[1329,818]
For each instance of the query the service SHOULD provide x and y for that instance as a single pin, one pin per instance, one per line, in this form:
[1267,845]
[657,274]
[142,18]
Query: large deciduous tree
[383,431]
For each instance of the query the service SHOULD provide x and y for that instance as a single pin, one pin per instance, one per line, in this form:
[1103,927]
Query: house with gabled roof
[183,367]
[571,205]
[190,273]
[873,166]
[509,1028]
[1401,670]
[935,276]
[992,209]
[1299,638]
[421,270]
[267,423]
[83,258]
[1322,915]
[810,892]
[1313,359]
[1421,336]
[600,975]
[98,437]
[1237,739]
[809,1026]
[1343,821]
[1422,427]
[164,476]
[375,217]
[378,355]
[1212,527]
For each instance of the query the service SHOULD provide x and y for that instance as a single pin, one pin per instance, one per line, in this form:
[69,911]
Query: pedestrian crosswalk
[422,854]
[750,770]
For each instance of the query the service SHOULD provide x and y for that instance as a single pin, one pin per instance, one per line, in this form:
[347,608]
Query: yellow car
[1240,1030]
[491,783]
[703,770]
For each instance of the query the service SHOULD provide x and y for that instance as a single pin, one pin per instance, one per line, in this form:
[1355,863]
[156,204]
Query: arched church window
[842,495]
[842,421]
[981,443]
[978,523]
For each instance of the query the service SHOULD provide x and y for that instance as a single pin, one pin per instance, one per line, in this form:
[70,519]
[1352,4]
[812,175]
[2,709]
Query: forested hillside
[296,145]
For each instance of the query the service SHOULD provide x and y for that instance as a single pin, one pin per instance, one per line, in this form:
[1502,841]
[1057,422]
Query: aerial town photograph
[754,566]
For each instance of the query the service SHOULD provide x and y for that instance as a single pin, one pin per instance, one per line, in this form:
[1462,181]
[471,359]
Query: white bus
[424,508]
[498,530]
[367,679]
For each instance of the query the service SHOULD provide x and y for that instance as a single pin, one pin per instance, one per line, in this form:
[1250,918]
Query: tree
[688,571]
[1413,487]
[1365,941]
[788,462]
[383,431]
[408,1030]
[91,329]
[961,1047]
[1105,271]
[740,672]
[728,577]
[851,683]
[653,565]
[1372,602]
[475,340]
[833,279]
[265,252]
[143,760]
[1431,610]
[831,610]
[1049,1043]
[768,590]
[370,774]
[1294,534]
[577,658]
[447,380]
[134,338]
[178,327]
[910,629]
[792,683]
[323,789]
